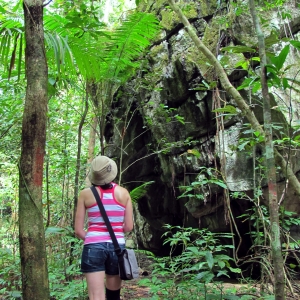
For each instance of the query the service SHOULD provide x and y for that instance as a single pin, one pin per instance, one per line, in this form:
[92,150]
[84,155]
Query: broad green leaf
[219,183]
[54,230]
[221,264]
[226,109]
[238,49]
[194,250]
[232,297]
[209,259]
[267,297]
[2,10]
[194,152]
[271,40]
[15,294]
[235,270]
[285,83]
[279,60]
[256,86]
[248,82]
[202,274]
[17,6]
[296,44]
[223,273]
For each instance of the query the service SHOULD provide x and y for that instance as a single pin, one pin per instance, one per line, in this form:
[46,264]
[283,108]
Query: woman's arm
[80,216]
[128,219]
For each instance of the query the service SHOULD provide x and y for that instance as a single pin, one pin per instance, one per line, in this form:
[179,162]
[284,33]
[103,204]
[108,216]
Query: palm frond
[10,33]
[140,191]
[83,51]
[96,54]
[129,41]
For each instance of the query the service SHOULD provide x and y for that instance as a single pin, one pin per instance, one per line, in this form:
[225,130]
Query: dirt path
[132,291]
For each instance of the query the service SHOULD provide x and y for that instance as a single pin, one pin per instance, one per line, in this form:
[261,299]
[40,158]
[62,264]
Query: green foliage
[226,111]
[288,219]
[10,279]
[140,191]
[66,282]
[275,69]
[91,44]
[64,278]
[206,176]
[167,147]
[203,258]
[260,252]
[168,114]
[81,42]
[249,139]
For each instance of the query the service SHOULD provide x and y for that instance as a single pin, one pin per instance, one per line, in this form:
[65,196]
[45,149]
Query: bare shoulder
[86,197]
[85,192]
[121,189]
[122,195]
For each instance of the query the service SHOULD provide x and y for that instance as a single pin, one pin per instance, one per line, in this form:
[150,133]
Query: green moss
[142,6]
[210,40]
[145,5]
[190,10]
[155,50]
[159,56]
[168,19]
[160,3]
[208,7]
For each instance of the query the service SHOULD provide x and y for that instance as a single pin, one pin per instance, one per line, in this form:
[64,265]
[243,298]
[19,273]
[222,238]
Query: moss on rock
[169,19]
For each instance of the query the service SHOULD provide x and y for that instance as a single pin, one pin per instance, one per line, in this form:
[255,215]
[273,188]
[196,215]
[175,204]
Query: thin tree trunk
[92,139]
[91,147]
[78,164]
[48,154]
[270,165]
[76,188]
[95,89]
[234,93]
[31,228]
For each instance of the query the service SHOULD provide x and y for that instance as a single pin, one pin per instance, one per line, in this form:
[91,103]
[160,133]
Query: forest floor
[132,290]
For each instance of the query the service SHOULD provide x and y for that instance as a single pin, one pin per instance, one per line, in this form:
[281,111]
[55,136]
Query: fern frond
[140,191]
[129,41]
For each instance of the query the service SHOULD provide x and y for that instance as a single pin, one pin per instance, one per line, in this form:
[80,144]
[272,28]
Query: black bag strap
[106,220]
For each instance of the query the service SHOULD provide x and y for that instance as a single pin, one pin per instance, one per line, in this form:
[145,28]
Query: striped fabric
[97,230]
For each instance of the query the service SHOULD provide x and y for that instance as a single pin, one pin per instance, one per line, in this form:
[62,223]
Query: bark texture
[279,280]
[31,228]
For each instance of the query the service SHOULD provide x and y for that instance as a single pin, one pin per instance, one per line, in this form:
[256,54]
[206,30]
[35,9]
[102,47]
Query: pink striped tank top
[97,230]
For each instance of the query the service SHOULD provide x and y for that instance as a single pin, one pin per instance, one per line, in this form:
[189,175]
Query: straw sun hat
[103,170]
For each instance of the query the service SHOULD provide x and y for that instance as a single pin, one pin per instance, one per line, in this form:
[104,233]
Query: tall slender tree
[31,228]
[279,280]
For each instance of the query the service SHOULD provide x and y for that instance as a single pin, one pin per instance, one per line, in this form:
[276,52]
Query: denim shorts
[100,257]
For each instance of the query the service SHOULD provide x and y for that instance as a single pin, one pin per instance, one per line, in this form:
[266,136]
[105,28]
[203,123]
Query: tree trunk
[270,165]
[31,228]
[91,147]
[77,178]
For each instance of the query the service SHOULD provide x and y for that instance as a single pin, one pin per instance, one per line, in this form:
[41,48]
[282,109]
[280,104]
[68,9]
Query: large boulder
[173,136]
